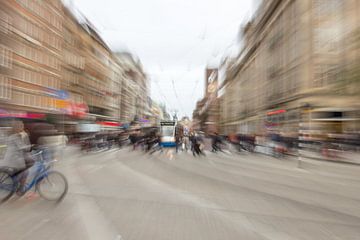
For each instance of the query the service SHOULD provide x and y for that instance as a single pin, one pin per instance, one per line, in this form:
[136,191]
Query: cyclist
[17,155]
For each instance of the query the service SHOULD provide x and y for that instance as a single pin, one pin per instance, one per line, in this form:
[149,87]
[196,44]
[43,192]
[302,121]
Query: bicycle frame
[40,173]
[40,170]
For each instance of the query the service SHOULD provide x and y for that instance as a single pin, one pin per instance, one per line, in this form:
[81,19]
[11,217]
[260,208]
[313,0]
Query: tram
[167,132]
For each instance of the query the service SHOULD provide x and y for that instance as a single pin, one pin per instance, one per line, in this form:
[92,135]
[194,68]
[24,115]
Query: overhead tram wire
[162,94]
[231,44]
[177,97]
[193,92]
[189,51]
[203,38]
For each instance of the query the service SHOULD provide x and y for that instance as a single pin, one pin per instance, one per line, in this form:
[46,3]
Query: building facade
[134,93]
[91,74]
[30,54]
[206,114]
[298,56]
[53,61]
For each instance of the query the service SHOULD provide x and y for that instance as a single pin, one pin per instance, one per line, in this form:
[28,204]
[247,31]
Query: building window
[5,57]
[5,87]
[5,22]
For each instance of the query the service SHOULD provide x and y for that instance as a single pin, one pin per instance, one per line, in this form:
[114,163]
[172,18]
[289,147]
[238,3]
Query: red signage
[109,124]
[23,115]
[276,112]
[79,109]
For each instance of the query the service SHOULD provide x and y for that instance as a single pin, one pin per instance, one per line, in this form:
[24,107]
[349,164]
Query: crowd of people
[279,144]
[21,139]
[148,140]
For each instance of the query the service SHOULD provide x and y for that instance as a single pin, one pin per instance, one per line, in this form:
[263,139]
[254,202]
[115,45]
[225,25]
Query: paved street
[122,194]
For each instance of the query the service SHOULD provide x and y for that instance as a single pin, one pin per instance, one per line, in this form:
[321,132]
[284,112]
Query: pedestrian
[216,142]
[177,142]
[186,143]
[134,137]
[196,142]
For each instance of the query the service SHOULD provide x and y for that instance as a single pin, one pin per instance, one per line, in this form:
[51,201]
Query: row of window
[69,38]
[40,9]
[38,33]
[74,60]
[100,56]
[324,74]
[256,97]
[98,85]
[32,100]
[96,101]
[71,78]
[39,56]
[37,78]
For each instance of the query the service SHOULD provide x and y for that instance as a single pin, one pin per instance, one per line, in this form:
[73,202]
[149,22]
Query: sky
[174,39]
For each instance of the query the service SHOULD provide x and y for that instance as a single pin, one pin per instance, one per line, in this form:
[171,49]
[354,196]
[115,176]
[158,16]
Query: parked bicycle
[51,185]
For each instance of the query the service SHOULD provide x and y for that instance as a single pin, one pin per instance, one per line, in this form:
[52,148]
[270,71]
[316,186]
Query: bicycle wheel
[52,187]
[7,186]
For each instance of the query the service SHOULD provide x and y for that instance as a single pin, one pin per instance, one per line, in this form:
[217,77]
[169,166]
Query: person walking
[186,143]
[134,138]
[177,142]
[216,142]
[196,142]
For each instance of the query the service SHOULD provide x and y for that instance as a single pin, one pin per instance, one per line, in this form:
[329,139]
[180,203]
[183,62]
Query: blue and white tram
[167,131]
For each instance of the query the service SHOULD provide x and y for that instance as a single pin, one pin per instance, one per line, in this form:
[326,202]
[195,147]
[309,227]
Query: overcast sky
[174,39]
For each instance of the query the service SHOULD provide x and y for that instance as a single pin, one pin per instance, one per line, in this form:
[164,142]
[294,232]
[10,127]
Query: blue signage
[58,93]
[62,94]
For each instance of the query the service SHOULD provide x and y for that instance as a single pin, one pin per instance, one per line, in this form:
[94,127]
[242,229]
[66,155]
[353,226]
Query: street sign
[168,123]
[61,104]
[58,93]
[62,94]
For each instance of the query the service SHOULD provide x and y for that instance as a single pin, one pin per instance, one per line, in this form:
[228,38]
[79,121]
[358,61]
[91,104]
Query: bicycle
[44,179]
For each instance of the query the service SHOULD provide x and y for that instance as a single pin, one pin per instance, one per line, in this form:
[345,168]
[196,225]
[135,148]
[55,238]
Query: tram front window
[167,131]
